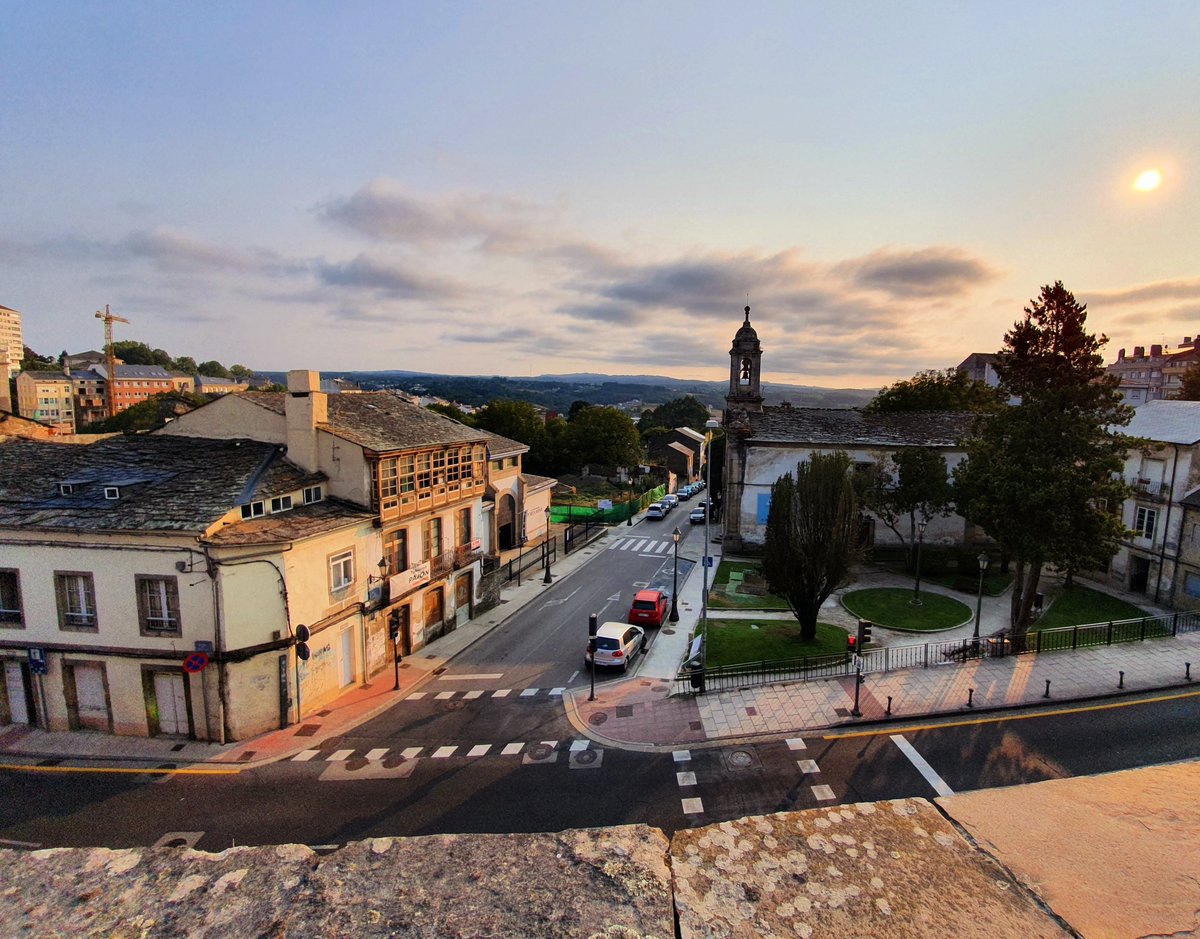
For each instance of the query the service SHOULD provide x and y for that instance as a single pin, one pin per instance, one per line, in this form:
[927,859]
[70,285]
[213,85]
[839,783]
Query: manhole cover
[660,689]
[356,762]
[454,705]
[740,759]
[668,632]
[307,730]
[645,684]
[585,757]
[598,718]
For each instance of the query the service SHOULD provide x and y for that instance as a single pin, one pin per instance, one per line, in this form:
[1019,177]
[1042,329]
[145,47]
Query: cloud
[388,278]
[1160,290]
[385,211]
[935,272]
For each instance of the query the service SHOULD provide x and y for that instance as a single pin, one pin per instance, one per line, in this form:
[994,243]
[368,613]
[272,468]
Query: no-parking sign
[195,662]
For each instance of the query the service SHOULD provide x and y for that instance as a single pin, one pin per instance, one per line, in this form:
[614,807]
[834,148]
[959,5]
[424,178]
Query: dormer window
[312,494]
[65,489]
[112,492]
[281,504]
[253,510]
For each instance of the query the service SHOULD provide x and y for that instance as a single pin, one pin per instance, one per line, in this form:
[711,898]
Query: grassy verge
[994,584]
[891,607]
[735,642]
[1079,605]
[720,599]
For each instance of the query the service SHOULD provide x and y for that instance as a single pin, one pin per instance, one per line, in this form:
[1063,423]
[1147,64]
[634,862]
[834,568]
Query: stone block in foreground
[593,882]
[885,870]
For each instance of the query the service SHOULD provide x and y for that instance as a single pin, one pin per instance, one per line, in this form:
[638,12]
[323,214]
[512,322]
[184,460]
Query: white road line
[808,766]
[556,691]
[616,545]
[577,745]
[489,676]
[479,749]
[20,844]
[939,785]
[304,756]
[530,692]
[795,743]
[337,756]
[510,749]
[472,695]
[645,555]
[443,695]
[681,756]
[502,693]
[377,753]
[823,793]
[442,752]
[410,753]
[416,695]
[693,806]
[641,544]
[550,743]
[661,549]
[572,678]
[686,779]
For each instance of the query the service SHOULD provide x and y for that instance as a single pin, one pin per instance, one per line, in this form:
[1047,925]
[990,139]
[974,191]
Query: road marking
[936,781]
[442,752]
[1000,718]
[572,678]
[472,695]
[502,693]
[577,745]
[795,743]
[337,756]
[377,754]
[20,844]
[823,793]
[681,756]
[663,547]
[417,695]
[443,695]
[410,753]
[686,779]
[641,544]
[304,756]
[550,743]
[529,692]
[479,749]
[808,766]
[27,768]
[481,676]
[560,601]
[694,806]
[645,555]
[556,691]
[511,749]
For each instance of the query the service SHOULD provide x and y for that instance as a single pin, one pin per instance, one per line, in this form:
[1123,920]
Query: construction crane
[110,359]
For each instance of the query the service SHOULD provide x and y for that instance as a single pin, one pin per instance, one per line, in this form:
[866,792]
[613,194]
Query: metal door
[346,657]
[16,684]
[91,701]
[462,599]
[172,707]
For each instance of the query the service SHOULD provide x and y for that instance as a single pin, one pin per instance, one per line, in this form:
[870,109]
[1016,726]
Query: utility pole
[110,359]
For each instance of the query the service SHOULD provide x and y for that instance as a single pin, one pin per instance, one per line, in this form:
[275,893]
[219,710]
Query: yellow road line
[31,768]
[999,718]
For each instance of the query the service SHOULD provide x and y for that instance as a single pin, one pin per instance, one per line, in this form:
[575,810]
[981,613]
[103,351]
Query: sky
[520,188]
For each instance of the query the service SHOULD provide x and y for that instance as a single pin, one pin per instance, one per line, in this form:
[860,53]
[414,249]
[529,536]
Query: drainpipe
[1162,555]
[218,644]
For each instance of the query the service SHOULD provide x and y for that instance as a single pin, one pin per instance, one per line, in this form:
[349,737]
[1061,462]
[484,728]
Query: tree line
[132,352]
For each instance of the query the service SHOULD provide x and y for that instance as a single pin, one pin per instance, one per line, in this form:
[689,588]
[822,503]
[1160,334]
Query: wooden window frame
[62,596]
[170,596]
[339,559]
[13,618]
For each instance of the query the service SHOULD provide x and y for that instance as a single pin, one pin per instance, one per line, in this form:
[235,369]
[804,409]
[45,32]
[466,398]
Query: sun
[1148,180]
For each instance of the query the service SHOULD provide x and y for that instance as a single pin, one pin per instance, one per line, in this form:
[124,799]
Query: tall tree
[912,482]
[678,412]
[186,364]
[576,406]
[213,369]
[240,371]
[932,390]
[1040,474]
[604,435]
[812,535]
[1189,388]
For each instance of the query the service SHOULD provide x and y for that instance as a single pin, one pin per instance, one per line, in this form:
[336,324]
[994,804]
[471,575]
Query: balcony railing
[465,556]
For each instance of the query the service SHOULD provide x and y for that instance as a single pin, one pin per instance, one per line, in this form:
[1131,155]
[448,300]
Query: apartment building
[10,336]
[1154,375]
[47,397]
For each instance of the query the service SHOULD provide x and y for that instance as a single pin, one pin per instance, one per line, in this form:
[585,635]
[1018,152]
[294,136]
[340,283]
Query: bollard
[1047,694]
[1121,683]
[889,707]
[970,697]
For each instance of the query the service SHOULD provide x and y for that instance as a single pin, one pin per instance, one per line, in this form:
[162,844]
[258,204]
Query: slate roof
[537,482]
[1192,499]
[1166,422]
[300,522]
[498,446]
[181,484]
[850,427]
[40,375]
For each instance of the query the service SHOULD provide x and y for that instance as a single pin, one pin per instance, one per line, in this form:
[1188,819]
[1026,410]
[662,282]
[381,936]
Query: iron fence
[947,652]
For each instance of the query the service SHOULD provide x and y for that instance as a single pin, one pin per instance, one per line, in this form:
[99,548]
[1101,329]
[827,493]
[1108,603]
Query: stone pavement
[646,711]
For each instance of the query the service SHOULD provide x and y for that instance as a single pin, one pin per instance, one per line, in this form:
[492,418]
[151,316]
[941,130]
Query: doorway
[170,700]
[462,598]
[16,700]
[506,523]
[86,689]
[346,657]
[1139,574]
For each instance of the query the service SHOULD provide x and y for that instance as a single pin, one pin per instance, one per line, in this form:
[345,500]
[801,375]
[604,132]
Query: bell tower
[745,370]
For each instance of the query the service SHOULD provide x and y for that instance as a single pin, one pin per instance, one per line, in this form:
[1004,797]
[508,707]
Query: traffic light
[851,642]
[394,625]
[864,632]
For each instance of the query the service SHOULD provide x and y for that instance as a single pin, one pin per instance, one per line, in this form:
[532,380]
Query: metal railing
[940,652]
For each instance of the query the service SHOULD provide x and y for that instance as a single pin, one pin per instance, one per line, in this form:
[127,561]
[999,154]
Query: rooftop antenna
[110,359]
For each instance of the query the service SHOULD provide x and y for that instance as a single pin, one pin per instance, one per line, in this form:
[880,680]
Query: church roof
[850,427]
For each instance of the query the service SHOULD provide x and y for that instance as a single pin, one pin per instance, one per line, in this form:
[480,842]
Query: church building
[764,442]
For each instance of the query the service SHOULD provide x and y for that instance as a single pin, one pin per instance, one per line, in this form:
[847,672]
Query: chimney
[1139,352]
[1156,351]
[1120,355]
[1187,341]
[306,406]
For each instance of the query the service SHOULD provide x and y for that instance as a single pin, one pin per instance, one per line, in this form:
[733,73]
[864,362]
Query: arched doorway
[507,532]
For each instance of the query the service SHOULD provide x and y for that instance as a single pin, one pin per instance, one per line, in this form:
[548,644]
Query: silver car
[616,645]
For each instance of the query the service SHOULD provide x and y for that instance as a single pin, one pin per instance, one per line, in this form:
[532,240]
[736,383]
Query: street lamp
[709,426]
[675,581]
[629,517]
[983,566]
[546,547]
[916,600]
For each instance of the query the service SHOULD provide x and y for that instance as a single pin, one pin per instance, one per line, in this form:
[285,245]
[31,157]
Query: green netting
[566,514]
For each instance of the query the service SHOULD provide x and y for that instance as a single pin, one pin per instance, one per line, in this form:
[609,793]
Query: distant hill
[558,392]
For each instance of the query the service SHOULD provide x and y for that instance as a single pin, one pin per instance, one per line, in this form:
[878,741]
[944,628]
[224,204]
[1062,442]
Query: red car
[649,608]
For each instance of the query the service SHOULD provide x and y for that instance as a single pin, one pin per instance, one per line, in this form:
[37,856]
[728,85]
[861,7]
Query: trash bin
[697,676]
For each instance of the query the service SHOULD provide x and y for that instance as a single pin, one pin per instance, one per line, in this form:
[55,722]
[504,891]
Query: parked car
[685,493]
[671,500]
[616,645]
[655,510]
[697,516]
[649,608]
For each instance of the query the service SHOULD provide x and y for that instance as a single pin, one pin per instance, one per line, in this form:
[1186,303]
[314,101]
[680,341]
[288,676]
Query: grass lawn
[720,598]
[994,583]
[890,607]
[735,642]
[1079,605]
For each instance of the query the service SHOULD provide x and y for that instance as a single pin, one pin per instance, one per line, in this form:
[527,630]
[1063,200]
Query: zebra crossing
[647,547]
[538,751]
[692,803]
[476,693]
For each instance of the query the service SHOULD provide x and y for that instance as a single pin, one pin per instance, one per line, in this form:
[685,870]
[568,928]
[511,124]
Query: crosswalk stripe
[530,692]
[661,549]
[556,691]
[502,693]
[808,766]
[642,544]
[442,752]
[417,695]
[795,743]
[550,743]
[304,756]
[577,745]
[685,779]
[511,749]
[823,793]
[443,695]
[681,756]
[377,753]
[337,756]
[410,753]
[472,695]
[479,749]
[693,806]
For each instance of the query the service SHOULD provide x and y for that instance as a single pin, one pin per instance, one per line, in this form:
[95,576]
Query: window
[281,504]
[76,601]
[112,493]
[253,510]
[1191,584]
[439,468]
[158,605]
[452,466]
[65,489]
[312,494]
[1143,523]
[404,467]
[387,483]
[462,527]
[341,571]
[10,600]
[424,479]
[395,551]
[433,538]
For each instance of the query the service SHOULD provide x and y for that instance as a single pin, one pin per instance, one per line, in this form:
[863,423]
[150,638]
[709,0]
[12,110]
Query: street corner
[635,714]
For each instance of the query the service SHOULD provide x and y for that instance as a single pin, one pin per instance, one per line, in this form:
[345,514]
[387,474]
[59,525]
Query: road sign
[203,645]
[37,661]
[195,662]
[708,559]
